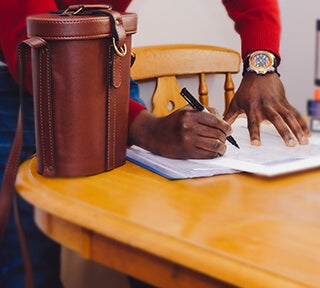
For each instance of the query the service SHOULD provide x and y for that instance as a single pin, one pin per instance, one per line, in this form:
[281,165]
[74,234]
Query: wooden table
[225,230]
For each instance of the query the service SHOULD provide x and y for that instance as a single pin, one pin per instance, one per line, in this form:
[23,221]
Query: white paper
[272,158]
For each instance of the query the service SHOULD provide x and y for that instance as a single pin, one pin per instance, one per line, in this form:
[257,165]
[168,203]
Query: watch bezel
[251,67]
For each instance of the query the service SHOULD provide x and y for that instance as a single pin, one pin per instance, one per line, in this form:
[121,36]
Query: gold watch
[260,62]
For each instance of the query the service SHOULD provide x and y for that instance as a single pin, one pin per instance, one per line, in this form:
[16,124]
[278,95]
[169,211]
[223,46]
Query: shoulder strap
[7,196]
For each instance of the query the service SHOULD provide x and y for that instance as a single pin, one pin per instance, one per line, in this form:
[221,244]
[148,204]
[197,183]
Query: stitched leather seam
[65,22]
[42,152]
[103,35]
[108,109]
[114,129]
[49,105]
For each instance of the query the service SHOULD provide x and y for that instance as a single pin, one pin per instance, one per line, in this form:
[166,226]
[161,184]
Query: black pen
[197,105]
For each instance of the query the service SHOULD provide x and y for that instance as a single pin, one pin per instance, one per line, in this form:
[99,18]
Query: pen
[197,105]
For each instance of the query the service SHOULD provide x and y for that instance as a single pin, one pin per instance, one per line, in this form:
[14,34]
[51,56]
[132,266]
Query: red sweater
[257,22]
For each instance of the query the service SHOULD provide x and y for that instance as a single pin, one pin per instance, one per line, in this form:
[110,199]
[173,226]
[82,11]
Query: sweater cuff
[259,42]
[255,40]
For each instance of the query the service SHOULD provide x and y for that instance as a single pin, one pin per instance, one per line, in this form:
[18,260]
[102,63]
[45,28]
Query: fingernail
[255,142]
[304,140]
[292,142]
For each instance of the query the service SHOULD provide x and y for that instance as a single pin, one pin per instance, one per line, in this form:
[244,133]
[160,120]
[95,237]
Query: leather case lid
[55,27]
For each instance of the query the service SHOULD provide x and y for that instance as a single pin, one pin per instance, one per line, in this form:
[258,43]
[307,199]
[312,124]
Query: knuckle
[252,123]
[289,116]
[218,147]
[214,111]
[215,155]
[275,118]
[184,125]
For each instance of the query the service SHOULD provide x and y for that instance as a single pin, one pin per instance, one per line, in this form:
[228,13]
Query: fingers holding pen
[214,120]
[212,132]
[211,118]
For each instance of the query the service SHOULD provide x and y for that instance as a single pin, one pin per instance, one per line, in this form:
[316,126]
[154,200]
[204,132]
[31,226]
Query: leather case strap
[101,10]
[7,196]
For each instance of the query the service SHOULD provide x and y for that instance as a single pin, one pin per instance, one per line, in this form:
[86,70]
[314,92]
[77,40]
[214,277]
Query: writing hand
[185,133]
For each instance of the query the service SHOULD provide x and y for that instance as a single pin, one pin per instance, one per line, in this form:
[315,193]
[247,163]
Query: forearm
[257,22]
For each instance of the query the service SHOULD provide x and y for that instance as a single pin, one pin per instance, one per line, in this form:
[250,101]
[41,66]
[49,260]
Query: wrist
[142,130]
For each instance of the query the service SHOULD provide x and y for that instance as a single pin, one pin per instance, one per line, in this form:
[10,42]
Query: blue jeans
[45,254]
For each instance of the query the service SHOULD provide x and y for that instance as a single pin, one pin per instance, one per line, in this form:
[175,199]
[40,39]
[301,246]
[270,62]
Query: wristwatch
[260,62]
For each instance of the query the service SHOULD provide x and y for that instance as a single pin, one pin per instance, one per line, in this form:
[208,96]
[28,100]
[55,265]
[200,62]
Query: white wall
[184,21]
[298,49]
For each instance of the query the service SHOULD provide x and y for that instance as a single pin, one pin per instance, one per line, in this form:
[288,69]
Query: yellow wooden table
[225,230]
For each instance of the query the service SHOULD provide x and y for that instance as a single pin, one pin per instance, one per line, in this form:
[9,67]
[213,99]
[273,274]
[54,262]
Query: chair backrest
[165,62]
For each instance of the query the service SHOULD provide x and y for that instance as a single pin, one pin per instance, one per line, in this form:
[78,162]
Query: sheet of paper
[272,157]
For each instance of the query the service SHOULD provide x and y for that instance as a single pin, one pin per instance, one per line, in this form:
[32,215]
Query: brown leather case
[81,78]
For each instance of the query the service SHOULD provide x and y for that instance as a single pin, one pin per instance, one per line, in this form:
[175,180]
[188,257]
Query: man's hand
[185,133]
[263,98]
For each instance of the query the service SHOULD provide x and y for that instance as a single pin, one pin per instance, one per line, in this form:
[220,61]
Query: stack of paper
[174,168]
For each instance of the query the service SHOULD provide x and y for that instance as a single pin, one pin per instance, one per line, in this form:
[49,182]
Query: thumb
[231,115]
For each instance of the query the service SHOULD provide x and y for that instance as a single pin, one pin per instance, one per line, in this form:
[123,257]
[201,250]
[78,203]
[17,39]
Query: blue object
[314,108]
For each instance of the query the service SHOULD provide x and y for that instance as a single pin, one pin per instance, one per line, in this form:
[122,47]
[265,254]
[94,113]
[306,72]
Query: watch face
[261,60]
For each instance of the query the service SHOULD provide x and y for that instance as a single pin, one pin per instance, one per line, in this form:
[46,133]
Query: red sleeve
[257,22]
[13,27]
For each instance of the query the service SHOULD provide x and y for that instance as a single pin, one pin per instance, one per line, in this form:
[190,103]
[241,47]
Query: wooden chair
[165,62]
